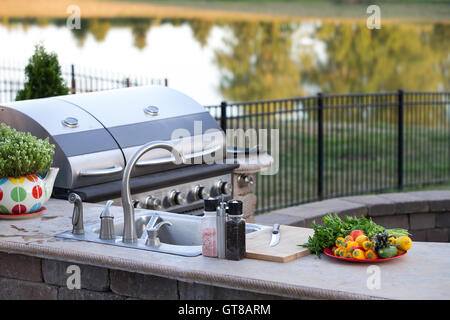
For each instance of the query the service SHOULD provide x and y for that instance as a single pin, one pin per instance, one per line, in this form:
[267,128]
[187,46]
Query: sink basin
[182,238]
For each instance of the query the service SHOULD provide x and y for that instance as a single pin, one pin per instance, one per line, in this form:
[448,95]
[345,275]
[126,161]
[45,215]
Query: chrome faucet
[129,228]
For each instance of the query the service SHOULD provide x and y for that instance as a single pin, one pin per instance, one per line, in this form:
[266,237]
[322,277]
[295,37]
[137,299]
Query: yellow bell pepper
[358,254]
[367,245]
[393,240]
[348,254]
[349,244]
[370,254]
[361,239]
[340,242]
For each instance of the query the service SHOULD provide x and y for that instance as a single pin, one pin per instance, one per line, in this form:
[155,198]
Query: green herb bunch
[333,227]
[22,153]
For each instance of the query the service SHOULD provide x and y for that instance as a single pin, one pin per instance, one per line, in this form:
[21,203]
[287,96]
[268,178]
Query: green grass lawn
[358,158]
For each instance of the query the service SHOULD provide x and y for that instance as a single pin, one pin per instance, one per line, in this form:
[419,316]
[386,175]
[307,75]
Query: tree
[359,60]
[43,76]
[201,30]
[362,60]
[99,29]
[257,64]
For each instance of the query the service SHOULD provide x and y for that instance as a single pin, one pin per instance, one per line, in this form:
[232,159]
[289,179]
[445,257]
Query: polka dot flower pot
[26,194]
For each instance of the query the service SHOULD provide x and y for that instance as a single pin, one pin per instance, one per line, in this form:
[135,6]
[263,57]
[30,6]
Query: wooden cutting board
[257,244]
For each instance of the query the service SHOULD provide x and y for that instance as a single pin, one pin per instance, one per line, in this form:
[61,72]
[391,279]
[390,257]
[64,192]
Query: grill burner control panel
[187,196]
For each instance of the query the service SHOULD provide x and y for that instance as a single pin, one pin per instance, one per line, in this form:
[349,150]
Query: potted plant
[23,158]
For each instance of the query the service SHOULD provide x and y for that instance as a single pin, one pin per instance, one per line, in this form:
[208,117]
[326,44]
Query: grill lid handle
[101,172]
[143,163]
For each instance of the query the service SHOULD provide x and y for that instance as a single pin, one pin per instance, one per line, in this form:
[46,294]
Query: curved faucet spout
[129,229]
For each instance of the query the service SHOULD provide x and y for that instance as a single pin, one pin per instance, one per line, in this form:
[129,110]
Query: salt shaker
[209,228]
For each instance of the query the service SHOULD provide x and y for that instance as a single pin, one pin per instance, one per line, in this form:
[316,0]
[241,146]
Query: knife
[275,235]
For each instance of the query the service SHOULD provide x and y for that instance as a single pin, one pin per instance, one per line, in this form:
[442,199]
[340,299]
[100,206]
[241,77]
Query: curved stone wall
[426,214]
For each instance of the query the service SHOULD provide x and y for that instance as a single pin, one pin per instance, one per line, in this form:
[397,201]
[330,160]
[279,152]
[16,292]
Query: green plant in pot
[23,158]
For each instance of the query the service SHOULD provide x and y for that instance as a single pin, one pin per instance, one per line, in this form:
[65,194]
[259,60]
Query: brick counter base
[30,278]
[426,214]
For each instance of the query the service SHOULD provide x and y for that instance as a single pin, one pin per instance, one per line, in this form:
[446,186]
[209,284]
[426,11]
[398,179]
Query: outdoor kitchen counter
[424,273]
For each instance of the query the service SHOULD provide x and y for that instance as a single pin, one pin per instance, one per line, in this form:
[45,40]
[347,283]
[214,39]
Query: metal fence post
[74,88]
[400,140]
[320,146]
[223,115]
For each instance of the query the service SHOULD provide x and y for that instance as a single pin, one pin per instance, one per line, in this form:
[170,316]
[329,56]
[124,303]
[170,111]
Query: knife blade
[275,235]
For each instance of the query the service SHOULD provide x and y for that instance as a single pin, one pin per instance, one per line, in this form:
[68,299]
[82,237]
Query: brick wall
[25,277]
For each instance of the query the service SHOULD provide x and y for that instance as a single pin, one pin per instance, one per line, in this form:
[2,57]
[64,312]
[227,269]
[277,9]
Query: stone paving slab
[20,267]
[303,215]
[94,278]
[376,205]
[422,202]
[273,217]
[420,221]
[67,294]
[438,200]
[393,222]
[406,202]
[12,289]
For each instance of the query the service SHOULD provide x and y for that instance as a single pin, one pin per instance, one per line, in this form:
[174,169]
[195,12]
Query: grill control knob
[152,203]
[245,181]
[224,187]
[177,198]
[200,192]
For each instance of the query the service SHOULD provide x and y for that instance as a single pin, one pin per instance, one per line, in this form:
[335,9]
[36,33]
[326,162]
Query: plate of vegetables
[357,240]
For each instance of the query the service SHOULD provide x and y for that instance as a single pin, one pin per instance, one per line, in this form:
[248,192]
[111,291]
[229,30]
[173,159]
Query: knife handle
[276,228]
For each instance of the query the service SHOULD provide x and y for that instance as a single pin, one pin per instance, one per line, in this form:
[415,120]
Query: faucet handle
[152,234]
[107,223]
[158,226]
[106,212]
[153,220]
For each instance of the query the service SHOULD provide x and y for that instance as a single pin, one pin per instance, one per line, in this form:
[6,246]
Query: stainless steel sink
[183,237]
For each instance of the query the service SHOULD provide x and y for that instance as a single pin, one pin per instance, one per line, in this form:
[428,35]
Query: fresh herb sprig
[333,227]
[22,153]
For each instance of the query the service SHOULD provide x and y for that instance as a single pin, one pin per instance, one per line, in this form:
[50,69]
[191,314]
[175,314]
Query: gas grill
[95,134]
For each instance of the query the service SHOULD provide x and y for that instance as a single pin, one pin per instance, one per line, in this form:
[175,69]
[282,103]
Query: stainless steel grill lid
[95,133]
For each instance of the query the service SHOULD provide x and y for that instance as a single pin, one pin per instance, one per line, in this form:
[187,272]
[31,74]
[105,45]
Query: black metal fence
[336,145]
[12,79]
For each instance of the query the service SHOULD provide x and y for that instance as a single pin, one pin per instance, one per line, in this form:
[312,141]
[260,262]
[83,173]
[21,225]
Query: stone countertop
[424,273]
[253,163]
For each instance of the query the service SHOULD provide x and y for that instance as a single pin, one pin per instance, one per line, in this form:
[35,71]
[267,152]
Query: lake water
[245,60]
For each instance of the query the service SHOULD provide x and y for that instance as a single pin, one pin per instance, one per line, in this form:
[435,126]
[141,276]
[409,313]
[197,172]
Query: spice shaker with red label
[209,228]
